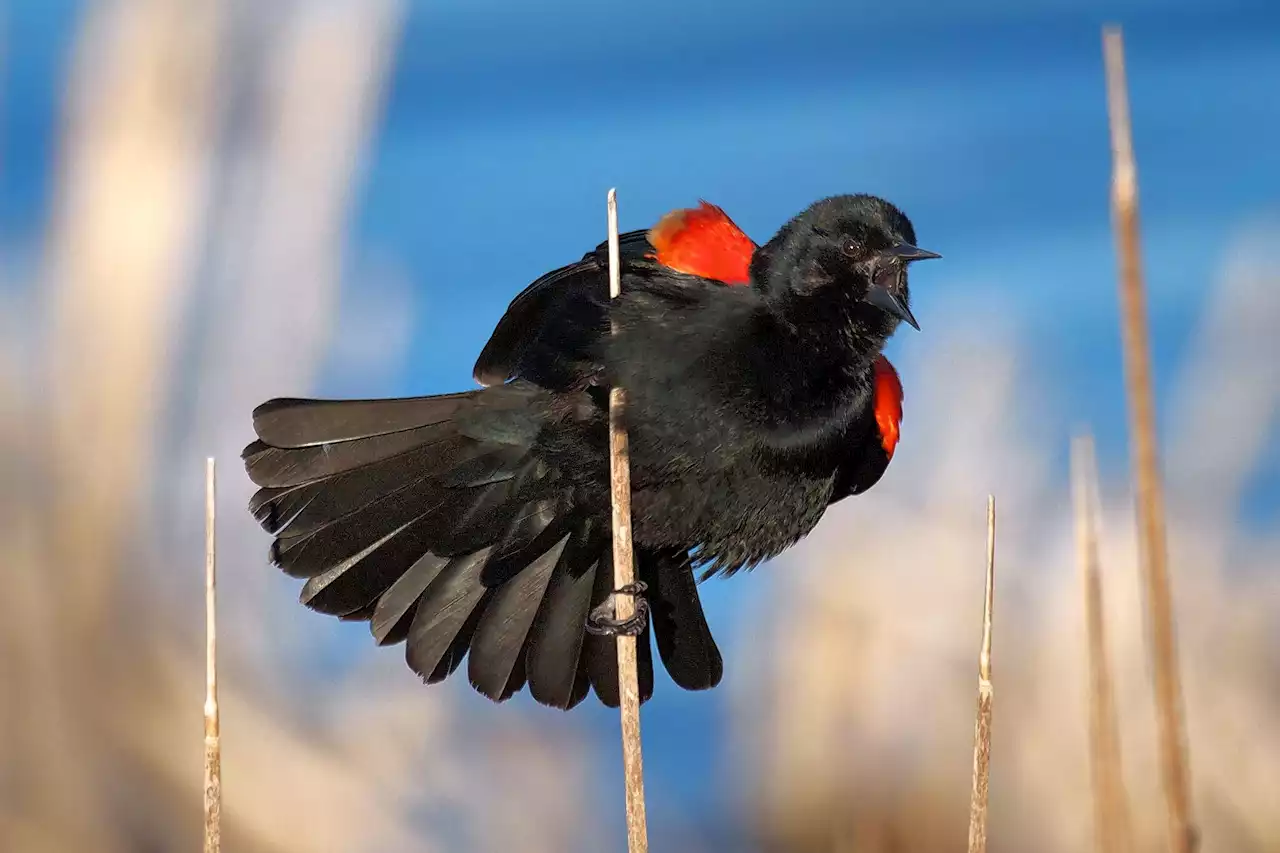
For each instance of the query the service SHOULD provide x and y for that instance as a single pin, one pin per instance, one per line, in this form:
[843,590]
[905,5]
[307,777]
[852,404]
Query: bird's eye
[851,247]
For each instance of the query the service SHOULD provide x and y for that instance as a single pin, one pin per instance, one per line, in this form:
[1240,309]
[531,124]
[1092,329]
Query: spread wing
[567,307]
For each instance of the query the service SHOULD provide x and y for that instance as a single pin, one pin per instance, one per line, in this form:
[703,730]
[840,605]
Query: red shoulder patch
[887,404]
[703,241]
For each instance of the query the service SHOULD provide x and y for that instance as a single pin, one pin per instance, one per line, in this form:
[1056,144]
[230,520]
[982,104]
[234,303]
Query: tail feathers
[601,653]
[685,644]
[431,519]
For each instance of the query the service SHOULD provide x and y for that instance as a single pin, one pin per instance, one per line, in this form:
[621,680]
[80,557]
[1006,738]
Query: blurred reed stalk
[982,727]
[212,724]
[624,575]
[99,742]
[1112,826]
[124,222]
[1152,545]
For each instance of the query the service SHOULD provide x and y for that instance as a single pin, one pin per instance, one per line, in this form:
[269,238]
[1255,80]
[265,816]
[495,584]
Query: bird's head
[848,254]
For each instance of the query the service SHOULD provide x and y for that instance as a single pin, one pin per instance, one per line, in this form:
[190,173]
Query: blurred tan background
[872,728]
[206,163]
[101,625]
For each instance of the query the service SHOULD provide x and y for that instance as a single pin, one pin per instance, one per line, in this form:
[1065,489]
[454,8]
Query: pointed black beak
[879,296]
[891,264]
[908,252]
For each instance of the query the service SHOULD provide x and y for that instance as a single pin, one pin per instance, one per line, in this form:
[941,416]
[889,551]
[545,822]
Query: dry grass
[624,575]
[1152,540]
[212,719]
[1112,824]
[982,726]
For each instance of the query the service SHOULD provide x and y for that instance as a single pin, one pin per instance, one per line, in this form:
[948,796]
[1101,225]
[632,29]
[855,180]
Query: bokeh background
[206,204]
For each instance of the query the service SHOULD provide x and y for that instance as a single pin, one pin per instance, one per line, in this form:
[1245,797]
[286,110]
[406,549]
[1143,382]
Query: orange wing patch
[887,404]
[703,241]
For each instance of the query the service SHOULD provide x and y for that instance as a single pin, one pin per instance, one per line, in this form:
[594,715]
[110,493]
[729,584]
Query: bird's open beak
[879,296]
[882,293]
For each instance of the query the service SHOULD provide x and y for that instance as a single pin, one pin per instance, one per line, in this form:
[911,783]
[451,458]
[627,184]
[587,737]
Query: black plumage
[477,525]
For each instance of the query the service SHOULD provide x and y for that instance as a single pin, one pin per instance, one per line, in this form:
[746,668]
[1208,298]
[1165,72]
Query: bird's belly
[733,518]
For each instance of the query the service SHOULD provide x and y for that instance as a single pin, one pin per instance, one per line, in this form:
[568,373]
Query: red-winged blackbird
[480,521]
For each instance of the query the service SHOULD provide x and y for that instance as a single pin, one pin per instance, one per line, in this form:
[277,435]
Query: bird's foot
[603,622]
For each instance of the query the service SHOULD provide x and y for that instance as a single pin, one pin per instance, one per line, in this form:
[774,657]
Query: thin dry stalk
[212,736]
[1112,827]
[1150,504]
[624,574]
[982,727]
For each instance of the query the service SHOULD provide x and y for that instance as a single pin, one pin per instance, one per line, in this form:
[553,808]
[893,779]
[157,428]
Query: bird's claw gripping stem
[603,622]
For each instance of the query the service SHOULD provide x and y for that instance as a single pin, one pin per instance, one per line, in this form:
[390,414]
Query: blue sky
[990,132]
[506,122]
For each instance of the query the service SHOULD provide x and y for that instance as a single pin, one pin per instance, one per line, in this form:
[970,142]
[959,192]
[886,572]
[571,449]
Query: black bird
[477,524]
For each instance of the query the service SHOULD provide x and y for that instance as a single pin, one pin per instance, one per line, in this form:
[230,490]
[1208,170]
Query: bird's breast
[733,515]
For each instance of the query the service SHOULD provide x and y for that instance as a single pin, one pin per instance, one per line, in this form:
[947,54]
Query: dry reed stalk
[1112,826]
[1152,545]
[982,726]
[212,733]
[623,575]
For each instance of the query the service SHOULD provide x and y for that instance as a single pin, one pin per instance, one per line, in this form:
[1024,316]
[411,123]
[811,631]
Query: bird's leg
[603,622]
